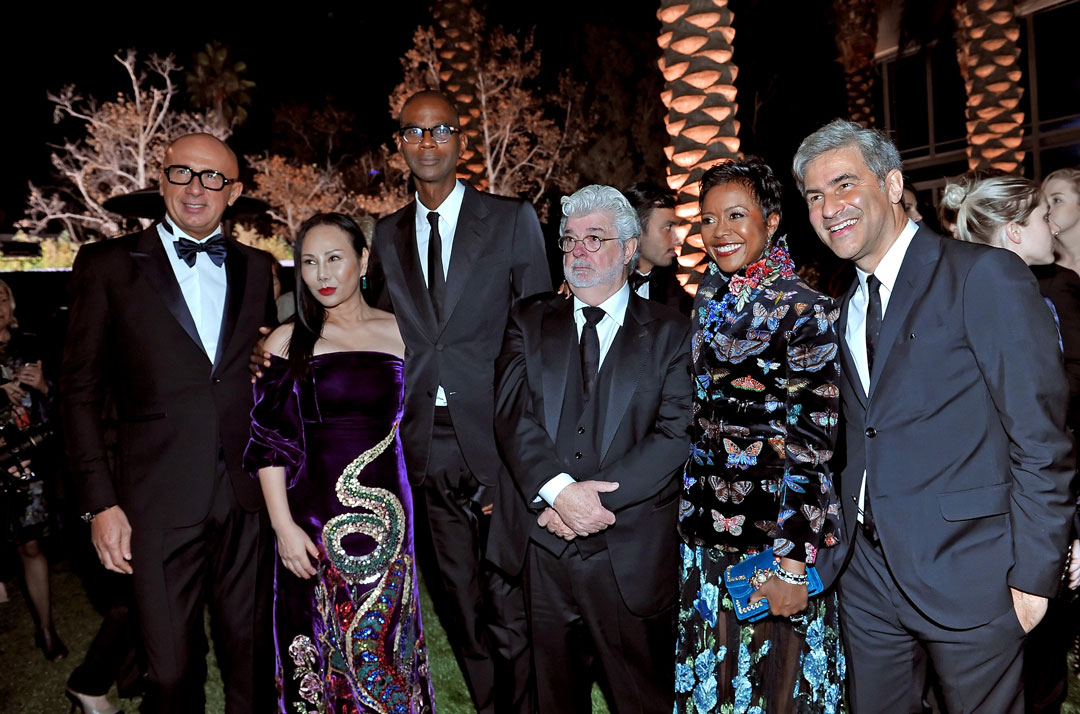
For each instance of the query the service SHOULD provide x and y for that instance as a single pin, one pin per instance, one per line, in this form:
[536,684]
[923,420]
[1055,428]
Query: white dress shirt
[615,312]
[855,333]
[203,286]
[448,211]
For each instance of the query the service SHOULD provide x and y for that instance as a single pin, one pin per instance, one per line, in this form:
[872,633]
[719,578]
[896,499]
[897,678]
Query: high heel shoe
[87,704]
[50,644]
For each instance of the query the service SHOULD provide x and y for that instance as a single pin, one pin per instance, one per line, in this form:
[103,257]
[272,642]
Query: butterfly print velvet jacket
[765,413]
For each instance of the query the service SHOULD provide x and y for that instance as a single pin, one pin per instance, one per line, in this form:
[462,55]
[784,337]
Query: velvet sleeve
[277,433]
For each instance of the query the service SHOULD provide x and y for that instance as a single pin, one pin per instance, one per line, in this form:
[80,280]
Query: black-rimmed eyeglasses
[592,243]
[210,180]
[440,133]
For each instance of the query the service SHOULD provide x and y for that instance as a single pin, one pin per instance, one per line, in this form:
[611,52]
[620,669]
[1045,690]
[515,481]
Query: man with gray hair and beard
[592,409]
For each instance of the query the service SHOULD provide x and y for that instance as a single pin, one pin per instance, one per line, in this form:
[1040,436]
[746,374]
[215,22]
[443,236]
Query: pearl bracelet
[791,578]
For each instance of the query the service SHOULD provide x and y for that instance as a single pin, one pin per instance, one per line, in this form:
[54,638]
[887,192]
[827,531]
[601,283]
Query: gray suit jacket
[962,435]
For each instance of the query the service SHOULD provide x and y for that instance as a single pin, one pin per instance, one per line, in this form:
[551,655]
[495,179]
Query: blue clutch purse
[743,579]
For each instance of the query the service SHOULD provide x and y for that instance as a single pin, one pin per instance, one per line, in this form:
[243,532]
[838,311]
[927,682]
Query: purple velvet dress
[350,638]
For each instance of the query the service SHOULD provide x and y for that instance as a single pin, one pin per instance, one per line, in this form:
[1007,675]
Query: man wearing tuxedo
[593,405]
[164,320]
[450,265]
[954,460]
[654,277]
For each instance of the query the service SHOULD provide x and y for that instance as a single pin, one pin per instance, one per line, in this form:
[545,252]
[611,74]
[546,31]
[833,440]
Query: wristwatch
[91,515]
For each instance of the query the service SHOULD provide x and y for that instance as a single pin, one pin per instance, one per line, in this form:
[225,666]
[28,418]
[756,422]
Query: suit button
[438,347]
[581,430]
[870,432]
[577,455]
[216,380]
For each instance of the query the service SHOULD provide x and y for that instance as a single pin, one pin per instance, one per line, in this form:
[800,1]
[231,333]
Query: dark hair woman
[325,445]
[764,428]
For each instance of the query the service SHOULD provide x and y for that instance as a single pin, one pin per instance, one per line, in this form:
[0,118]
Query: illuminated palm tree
[987,50]
[699,92]
[856,38]
[457,29]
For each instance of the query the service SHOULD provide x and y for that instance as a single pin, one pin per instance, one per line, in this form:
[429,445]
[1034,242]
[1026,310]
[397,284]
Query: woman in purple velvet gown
[324,441]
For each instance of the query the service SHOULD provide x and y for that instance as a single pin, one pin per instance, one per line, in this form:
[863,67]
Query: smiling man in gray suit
[955,472]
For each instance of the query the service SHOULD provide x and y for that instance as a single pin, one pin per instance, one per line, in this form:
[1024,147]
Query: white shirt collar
[448,210]
[176,233]
[614,306]
[889,267]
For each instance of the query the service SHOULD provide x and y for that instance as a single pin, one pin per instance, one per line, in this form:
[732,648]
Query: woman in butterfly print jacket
[764,428]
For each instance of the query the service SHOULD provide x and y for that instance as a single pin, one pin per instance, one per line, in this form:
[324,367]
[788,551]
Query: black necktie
[636,280]
[436,279]
[873,320]
[188,250]
[590,347]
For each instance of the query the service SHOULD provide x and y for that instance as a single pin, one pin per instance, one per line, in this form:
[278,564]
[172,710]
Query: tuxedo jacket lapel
[235,288]
[910,282]
[847,364]
[470,236]
[557,346]
[627,356]
[405,243]
[150,256]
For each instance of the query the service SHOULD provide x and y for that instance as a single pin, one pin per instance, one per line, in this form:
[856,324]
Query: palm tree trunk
[457,25]
[699,92]
[988,53]
[856,38]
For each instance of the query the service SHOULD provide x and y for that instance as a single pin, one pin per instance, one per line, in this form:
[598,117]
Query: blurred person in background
[25,413]
[1012,212]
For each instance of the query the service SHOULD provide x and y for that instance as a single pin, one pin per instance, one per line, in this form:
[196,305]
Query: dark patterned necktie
[436,279]
[188,250]
[873,320]
[590,347]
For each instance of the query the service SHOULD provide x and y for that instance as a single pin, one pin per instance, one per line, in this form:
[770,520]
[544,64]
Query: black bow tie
[636,280]
[188,250]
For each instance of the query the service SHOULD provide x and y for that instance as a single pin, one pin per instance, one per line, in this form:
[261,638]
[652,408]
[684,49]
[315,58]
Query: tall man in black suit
[452,264]
[956,467]
[655,276]
[593,405]
[165,319]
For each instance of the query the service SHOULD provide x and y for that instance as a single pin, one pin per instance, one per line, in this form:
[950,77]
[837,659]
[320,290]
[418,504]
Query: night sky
[350,53]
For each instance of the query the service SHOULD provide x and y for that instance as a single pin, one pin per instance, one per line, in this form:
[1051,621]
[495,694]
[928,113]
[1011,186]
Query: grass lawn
[31,685]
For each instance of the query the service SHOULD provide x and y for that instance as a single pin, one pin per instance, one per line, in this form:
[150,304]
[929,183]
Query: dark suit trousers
[225,561]
[482,610]
[581,628]
[888,643]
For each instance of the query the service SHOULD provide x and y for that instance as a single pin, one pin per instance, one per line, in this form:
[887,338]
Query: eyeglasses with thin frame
[440,133]
[210,180]
[592,243]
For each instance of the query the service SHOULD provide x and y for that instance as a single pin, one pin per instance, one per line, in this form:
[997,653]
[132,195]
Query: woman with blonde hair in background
[1012,212]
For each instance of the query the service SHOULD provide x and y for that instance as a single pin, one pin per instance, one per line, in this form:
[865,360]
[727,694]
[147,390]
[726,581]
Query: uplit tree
[856,38]
[696,37]
[216,85]
[988,53]
[119,152]
[296,191]
[455,39]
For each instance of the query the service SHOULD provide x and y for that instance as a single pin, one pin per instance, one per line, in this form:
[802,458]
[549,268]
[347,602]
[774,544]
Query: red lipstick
[327,291]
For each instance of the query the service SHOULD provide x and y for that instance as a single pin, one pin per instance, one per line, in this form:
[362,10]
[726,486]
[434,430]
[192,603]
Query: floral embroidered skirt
[772,666]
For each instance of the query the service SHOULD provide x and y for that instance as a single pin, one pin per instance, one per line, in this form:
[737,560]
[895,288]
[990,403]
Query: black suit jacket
[497,258]
[644,444]
[962,434]
[130,332]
